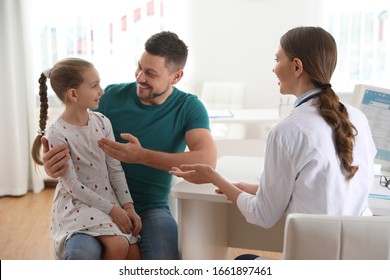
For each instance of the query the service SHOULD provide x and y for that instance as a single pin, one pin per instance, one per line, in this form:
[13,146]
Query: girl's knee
[134,252]
[116,247]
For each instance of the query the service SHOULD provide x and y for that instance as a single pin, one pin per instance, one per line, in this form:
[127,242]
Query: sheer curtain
[18,113]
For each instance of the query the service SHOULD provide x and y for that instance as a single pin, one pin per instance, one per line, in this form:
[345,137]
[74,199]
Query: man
[154,122]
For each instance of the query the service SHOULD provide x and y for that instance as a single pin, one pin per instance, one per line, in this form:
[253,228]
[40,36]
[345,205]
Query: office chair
[324,237]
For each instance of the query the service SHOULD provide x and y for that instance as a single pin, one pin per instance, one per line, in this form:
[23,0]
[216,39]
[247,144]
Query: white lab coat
[303,174]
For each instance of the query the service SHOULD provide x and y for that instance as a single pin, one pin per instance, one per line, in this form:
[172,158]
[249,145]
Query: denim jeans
[81,246]
[159,239]
[159,236]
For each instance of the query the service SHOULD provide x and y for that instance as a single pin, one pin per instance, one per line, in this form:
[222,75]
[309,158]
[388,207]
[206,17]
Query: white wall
[236,40]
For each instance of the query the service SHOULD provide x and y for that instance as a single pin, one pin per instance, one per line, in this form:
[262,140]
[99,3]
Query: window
[361,30]
[110,36]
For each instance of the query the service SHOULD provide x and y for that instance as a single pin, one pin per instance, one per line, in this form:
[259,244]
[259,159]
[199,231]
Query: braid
[43,116]
[336,115]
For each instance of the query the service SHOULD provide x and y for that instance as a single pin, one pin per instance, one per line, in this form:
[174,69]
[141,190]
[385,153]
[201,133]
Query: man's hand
[55,160]
[125,152]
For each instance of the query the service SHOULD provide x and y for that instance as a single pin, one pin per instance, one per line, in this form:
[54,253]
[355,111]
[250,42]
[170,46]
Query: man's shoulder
[119,87]
[115,94]
[187,97]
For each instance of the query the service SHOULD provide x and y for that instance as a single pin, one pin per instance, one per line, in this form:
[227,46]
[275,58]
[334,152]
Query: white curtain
[18,112]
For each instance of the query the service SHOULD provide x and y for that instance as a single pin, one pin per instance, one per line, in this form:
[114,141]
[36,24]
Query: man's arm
[202,149]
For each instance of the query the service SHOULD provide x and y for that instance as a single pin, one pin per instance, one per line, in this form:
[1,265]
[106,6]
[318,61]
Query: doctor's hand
[202,174]
[130,152]
[246,187]
[55,160]
[195,173]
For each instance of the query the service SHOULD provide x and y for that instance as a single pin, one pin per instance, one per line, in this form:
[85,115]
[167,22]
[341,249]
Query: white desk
[244,115]
[209,223]
[235,123]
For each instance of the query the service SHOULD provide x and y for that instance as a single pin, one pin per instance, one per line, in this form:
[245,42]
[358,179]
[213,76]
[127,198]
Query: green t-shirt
[157,127]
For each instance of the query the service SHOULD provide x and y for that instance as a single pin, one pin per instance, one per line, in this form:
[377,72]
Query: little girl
[92,197]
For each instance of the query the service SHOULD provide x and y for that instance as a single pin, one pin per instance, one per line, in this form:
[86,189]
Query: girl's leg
[134,252]
[116,247]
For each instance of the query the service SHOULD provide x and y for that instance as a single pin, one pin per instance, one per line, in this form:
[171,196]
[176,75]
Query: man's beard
[155,95]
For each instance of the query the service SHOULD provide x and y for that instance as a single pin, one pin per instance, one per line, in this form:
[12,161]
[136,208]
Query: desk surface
[251,168]
[244,115]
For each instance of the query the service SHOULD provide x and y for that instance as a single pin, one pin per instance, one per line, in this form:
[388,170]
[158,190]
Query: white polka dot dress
[93,184]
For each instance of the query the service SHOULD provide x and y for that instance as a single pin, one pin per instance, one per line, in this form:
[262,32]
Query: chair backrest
[225,96]
[324,237]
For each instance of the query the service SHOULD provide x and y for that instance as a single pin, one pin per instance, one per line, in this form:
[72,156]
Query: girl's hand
[134,218]
[121,219]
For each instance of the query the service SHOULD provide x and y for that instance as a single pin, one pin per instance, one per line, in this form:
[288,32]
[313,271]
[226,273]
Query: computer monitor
[374,102]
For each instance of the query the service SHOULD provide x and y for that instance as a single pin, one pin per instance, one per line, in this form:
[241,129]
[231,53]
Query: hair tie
[41,132]
[47,73]
[325,86]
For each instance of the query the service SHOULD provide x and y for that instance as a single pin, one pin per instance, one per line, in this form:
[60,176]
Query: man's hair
[168,45]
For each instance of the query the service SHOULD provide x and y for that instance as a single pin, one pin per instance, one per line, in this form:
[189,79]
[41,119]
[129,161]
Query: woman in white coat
[319,159]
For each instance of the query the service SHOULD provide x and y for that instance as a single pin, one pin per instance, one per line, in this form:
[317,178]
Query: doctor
[319,159]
